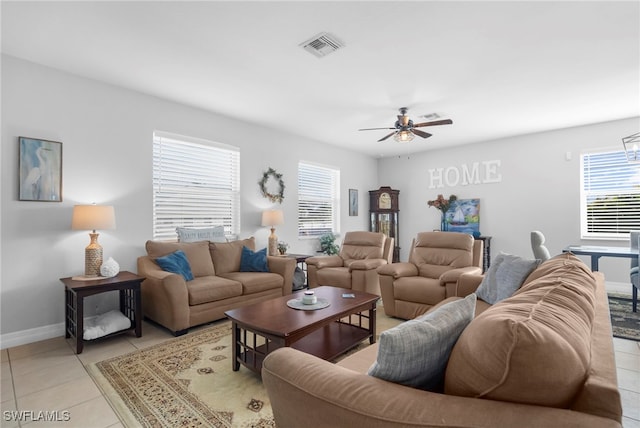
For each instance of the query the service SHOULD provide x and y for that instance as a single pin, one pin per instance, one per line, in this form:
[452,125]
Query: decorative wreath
[263,186]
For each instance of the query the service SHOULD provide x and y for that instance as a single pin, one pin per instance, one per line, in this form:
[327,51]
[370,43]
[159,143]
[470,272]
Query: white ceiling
[495,68]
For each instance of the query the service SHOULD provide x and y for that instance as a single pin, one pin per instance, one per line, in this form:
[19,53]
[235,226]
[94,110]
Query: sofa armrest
[451,276]
[325,261]
[468,283]
[366,264]
[398,270]
[165,298]
[327,395]
[283,266]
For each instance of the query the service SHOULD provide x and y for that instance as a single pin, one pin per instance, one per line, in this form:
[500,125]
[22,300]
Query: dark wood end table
[75,290]
[326,333]
[301,260]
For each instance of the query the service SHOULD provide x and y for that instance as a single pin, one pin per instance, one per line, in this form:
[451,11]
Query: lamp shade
[93,217]
[272,218]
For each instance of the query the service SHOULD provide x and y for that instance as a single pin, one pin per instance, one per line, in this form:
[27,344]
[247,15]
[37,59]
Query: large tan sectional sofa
[540,358]
[218,284]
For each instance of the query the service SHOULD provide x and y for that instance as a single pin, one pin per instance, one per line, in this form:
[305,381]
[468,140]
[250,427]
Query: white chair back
[540,252]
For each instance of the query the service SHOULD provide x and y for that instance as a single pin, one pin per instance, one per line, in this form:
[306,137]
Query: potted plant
[327,244]
[282,248]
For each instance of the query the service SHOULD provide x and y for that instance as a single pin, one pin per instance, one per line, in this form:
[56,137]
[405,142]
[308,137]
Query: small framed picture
[40,170]
[353,202]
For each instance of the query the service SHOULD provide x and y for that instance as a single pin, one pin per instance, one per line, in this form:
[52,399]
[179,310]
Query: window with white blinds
[610,195]
[196,183]
[318,200]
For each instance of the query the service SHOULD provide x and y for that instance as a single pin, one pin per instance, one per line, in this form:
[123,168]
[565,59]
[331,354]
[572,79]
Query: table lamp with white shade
[93,217]
[273,218]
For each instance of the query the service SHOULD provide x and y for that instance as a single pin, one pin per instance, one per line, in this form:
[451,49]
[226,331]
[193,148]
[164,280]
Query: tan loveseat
[541,358]
[354,267]
[218,284]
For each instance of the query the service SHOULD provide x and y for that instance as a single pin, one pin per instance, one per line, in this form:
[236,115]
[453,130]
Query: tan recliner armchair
[355,265]
[436,261]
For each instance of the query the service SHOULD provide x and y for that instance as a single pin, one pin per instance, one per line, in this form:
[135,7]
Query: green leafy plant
[328,245]
[282,247]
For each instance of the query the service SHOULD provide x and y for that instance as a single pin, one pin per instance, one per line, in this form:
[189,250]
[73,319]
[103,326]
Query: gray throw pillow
[504,277]
[416,352]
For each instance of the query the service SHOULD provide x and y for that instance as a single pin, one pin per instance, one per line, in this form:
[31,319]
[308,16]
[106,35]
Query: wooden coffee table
[326,333]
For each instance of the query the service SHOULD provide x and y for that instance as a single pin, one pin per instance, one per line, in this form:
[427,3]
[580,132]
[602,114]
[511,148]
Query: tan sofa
[436,261]
[541,358]
[218,284]
[354,267]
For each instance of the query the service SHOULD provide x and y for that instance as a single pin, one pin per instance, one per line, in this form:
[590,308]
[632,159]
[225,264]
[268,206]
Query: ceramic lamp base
[273,243]
[93,257]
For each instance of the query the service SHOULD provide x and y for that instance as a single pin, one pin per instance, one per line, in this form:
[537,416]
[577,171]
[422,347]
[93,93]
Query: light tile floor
[49,376]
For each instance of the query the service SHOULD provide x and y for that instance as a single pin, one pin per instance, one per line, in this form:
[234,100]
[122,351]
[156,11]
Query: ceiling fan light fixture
[403,136]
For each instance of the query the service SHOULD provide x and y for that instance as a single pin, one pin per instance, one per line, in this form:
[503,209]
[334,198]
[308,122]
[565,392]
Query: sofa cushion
[415,353]
[253,261]
[207,289]
[533,347]
[176,262]
[197,253]
[195,234]
[255,282]
[504,277]
[226,256]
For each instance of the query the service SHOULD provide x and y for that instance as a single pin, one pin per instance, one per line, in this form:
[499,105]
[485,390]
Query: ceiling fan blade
[385,137]
[373,129]
[421,133]
[435,122]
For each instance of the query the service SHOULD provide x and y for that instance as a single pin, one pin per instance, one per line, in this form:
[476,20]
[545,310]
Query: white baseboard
[17,338]
[619,287]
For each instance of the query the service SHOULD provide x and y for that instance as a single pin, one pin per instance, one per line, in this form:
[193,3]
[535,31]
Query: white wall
[539,189]
[107,139]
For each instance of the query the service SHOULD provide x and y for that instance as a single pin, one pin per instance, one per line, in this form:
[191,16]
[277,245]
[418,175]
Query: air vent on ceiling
[322,44]
[431,116]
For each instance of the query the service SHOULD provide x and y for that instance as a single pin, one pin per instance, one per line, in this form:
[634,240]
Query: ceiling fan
[405,129]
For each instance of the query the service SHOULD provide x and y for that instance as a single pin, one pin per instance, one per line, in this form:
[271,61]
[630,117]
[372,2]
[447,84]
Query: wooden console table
[76,290]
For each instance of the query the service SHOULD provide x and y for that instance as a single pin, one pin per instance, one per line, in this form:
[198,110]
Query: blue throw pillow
[253,261]
[176,262]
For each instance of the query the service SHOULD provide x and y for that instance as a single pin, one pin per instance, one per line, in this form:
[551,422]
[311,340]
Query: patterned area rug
[625,322]
[188,382]
[184,382]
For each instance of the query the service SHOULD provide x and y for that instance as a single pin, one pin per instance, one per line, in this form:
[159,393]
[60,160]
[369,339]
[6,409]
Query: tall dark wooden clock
[383,212]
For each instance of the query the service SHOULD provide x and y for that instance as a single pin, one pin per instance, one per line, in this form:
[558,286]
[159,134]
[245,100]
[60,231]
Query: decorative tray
[297,304]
